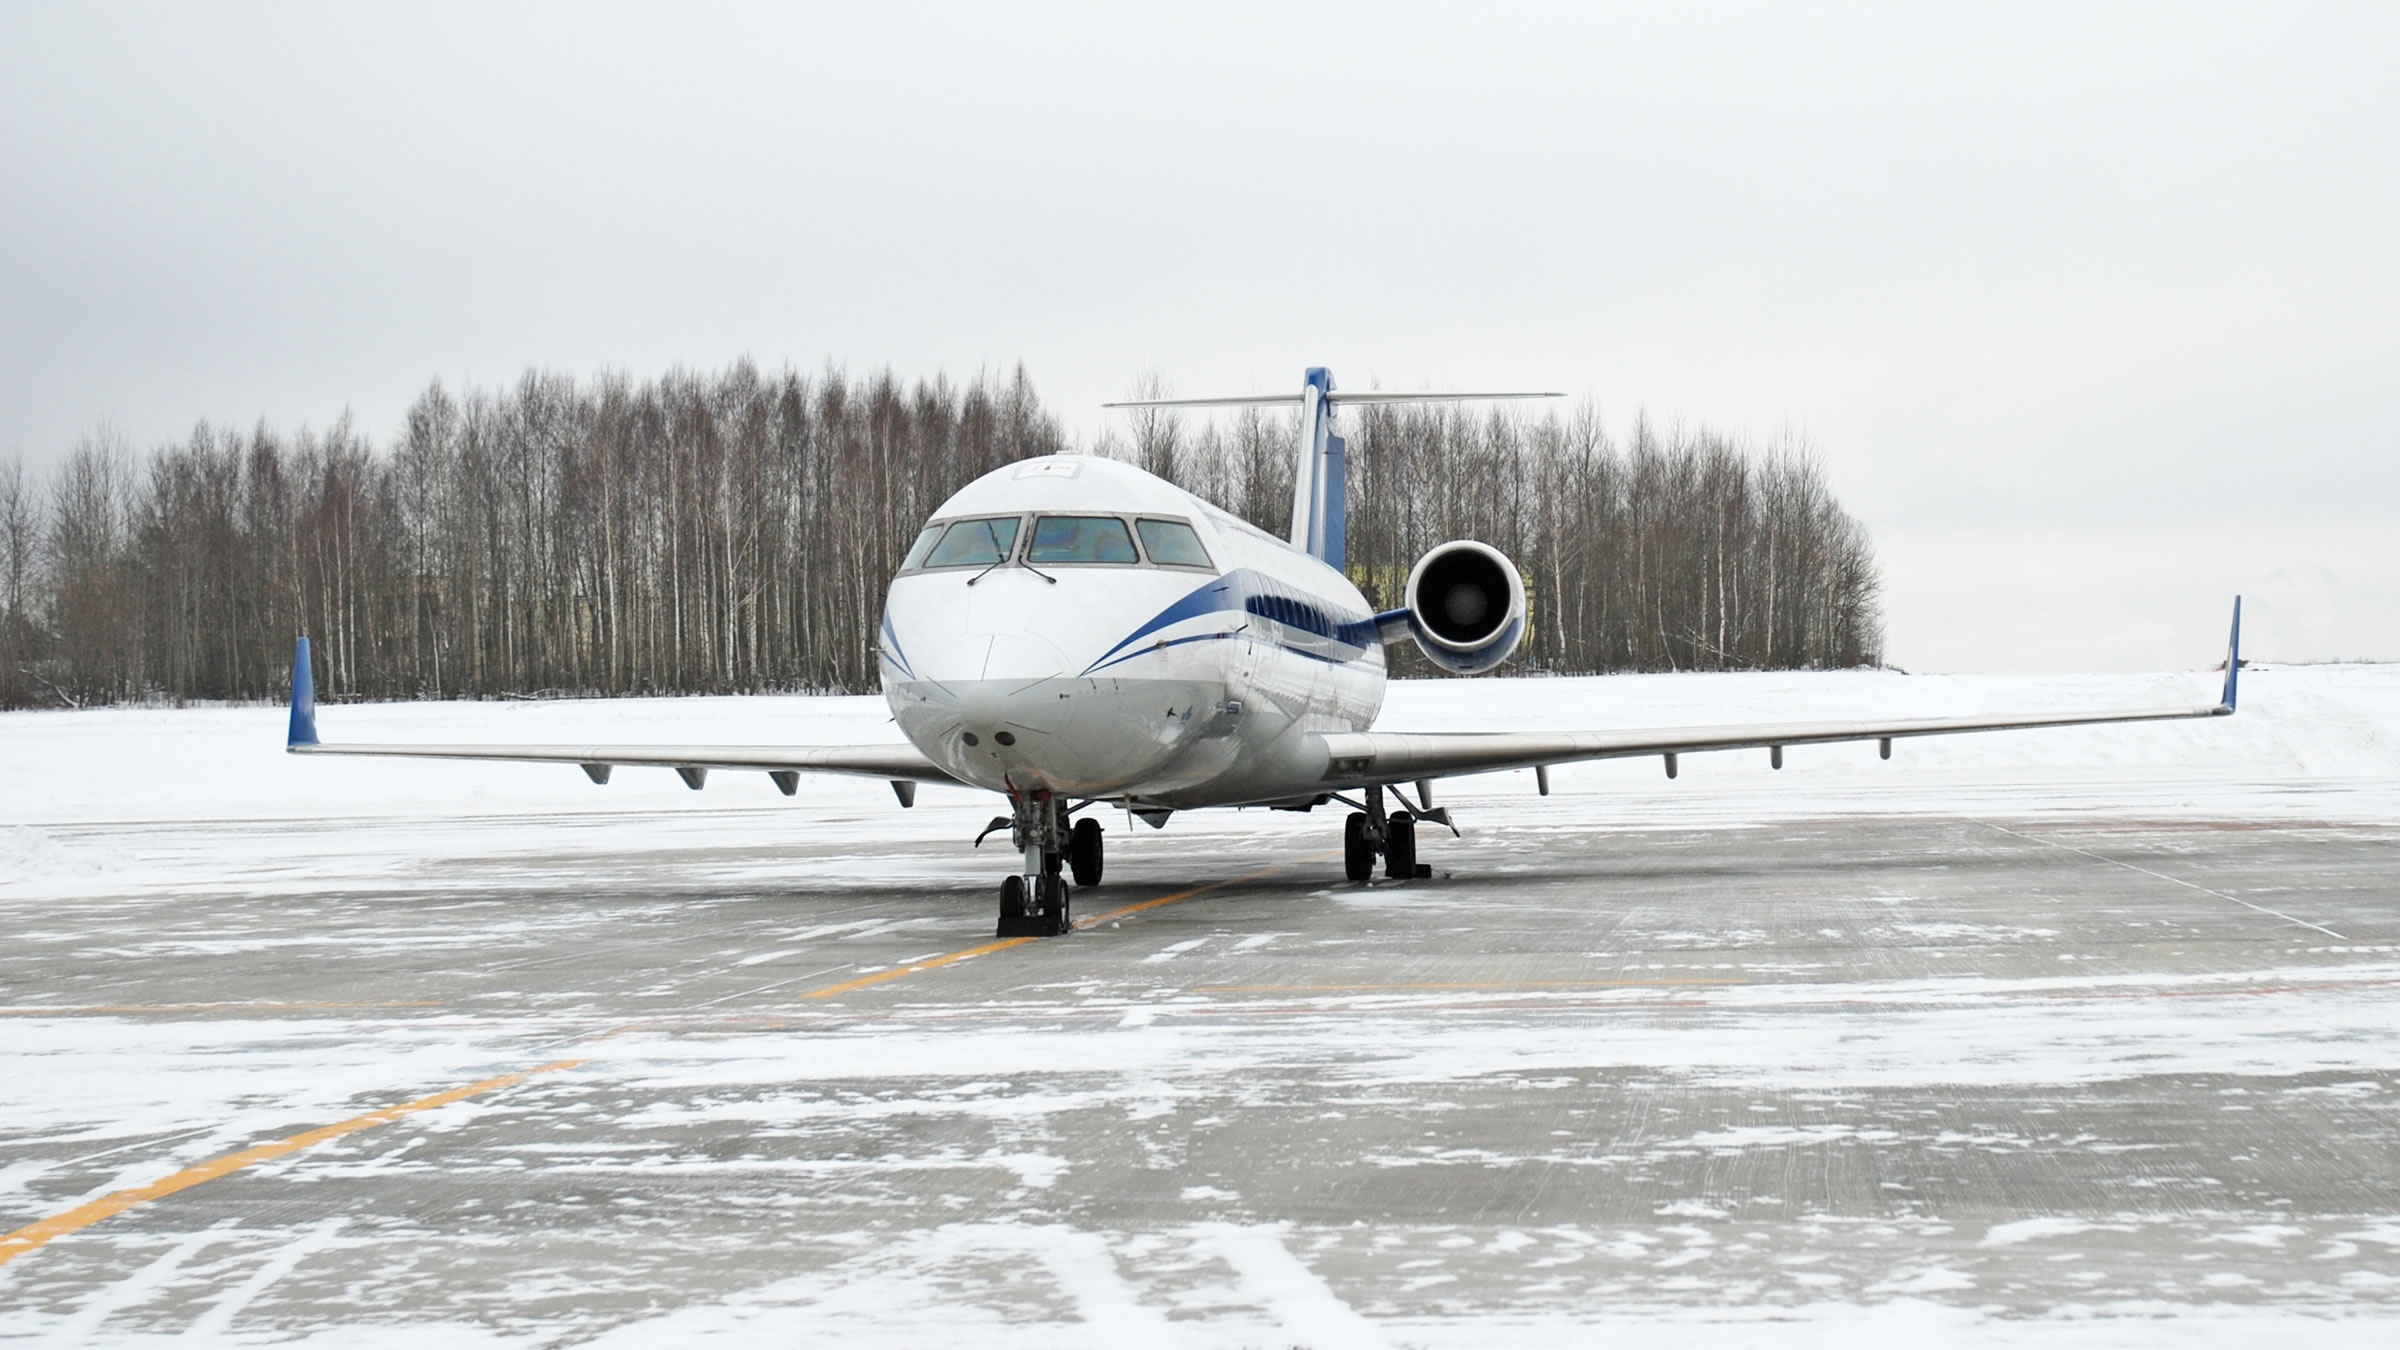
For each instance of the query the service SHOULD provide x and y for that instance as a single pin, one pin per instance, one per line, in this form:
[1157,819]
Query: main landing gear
[1034,903]
[1369,834]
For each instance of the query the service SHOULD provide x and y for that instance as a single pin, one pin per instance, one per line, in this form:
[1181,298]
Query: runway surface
[649,1077]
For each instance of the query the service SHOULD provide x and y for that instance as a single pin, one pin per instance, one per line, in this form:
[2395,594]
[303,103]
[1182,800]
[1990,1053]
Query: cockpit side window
[1081,539]
[923,546]
[1171,543]
[975,543]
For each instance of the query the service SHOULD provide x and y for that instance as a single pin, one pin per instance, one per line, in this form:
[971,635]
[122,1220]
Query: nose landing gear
[1034,903]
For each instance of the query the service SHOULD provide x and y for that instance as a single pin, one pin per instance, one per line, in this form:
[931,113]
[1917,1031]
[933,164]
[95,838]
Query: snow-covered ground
[298,941]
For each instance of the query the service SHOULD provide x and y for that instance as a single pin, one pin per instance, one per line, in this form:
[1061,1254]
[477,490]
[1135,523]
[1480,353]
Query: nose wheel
[1035,906]
[1034,902]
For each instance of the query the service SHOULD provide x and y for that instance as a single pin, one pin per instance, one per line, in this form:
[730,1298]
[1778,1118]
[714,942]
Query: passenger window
[923,546]
[975,543]
[1171,543]
[1080,539]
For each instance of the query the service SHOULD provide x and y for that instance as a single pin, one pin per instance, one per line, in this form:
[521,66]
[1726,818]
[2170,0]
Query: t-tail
[1321,484]
[1321,488]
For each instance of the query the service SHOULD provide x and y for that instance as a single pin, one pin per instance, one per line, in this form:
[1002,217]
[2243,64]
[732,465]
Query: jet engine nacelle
[1466,606]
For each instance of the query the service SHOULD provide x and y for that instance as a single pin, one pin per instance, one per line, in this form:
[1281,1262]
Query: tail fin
[1320,488]
[304,700]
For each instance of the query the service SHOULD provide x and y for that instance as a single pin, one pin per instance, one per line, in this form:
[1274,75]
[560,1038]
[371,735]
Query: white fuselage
[1160,680]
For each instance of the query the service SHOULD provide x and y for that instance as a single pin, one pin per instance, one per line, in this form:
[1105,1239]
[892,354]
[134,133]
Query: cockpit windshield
[1171,543]
[923,546]
[1081,539]
[975,543]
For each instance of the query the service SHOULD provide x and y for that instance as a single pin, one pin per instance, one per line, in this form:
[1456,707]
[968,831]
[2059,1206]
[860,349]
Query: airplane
[1072,632]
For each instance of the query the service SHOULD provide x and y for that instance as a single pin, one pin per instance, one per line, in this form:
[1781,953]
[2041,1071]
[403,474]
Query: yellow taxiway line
[121,1009]
[1457,984]
[929,963]
[1105,916]
[41,1233]
[35,1236]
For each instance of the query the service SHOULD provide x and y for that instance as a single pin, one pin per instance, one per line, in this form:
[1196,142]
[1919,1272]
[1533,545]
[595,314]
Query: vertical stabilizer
[1320,486]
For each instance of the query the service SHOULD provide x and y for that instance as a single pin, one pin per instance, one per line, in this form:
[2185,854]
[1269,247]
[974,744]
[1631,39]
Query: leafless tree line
[695,533]
[1680,550]
[734,532]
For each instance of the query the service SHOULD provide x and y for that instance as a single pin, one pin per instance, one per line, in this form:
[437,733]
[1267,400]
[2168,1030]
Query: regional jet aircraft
[1071,632]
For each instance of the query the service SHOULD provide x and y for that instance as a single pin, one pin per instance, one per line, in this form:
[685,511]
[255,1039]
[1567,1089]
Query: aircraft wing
[1362,758]
[902,765]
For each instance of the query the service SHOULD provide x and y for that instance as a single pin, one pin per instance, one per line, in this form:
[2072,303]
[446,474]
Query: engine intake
[1466,606]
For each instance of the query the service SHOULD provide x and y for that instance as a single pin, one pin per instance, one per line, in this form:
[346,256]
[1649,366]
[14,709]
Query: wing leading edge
[1360,759]
[903,766]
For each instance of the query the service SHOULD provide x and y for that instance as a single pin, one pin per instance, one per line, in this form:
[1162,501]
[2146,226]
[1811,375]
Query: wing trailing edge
[1360,759]
[893,763]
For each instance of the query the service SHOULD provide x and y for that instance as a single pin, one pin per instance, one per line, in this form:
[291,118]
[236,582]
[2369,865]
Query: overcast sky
[2092,311]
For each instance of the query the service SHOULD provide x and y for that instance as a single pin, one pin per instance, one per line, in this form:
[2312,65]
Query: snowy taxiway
[2085,1037]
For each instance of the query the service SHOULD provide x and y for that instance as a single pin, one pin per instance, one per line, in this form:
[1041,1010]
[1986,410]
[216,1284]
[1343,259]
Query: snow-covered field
[2311,742]
[2134,1074]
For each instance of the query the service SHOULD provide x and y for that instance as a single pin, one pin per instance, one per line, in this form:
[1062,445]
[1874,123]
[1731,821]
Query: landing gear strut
[1033,903]
[1370,833]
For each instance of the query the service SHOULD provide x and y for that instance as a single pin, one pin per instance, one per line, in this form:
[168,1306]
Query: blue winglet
[2233,659]
[304,700]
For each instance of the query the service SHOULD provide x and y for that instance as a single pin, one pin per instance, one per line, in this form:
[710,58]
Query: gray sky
[2092,311]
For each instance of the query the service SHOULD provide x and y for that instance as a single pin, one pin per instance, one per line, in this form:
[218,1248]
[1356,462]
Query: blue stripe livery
[1264,598]
[891,643]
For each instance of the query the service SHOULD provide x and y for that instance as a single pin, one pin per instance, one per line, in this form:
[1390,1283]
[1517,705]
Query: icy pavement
[2077,1038]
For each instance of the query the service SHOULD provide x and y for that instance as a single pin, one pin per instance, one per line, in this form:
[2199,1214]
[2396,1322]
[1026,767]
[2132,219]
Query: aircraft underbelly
[1202,724]
[1081,735]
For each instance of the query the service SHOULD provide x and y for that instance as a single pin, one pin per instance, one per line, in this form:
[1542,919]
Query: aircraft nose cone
[998,681]
[983,708]
[1003,658]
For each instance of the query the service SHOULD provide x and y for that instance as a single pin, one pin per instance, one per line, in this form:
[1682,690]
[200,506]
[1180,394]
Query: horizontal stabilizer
[1336,398]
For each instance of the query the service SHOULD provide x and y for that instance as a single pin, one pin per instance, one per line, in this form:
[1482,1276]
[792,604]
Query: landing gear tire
[1035,906]
[1053,891]
[1083,852]
[1041,910]
[1358,850]
[1400,847]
